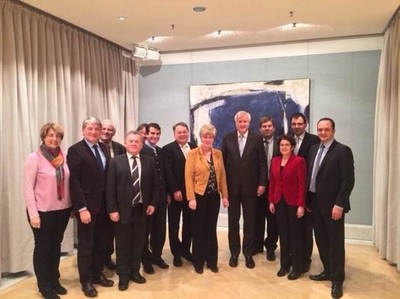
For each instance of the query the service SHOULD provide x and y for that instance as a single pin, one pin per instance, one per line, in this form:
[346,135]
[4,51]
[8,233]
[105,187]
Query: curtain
[386,179]
[51,72]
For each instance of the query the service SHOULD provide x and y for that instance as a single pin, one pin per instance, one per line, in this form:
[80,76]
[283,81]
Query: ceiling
[176,27]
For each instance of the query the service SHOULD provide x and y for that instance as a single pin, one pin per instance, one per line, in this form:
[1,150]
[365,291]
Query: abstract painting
[218,103]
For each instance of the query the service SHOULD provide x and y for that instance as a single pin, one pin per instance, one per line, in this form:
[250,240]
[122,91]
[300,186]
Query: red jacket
[288,182]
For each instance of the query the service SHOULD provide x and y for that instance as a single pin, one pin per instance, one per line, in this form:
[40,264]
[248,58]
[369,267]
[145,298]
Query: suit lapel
[327,155]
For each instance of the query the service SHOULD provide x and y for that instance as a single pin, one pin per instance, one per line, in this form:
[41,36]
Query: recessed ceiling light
[199,9]
[121,18]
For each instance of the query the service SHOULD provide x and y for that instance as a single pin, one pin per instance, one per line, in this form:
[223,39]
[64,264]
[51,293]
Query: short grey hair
[91,120]
[242,113]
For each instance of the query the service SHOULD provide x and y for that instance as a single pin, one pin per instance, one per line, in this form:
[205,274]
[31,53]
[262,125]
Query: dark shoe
[282,272]
[337,291]
[110,264]
[214,269]
[103,281]
[123,285]
[160,263]
[59,289]
[148,269]
[233,261]
[177,261]
[50,295]
[293,275]
[249,262]
[257,251]
[199,270]
[320,277]
[89,290]
[188,257]
[138,278]
[271,255]
[306,268]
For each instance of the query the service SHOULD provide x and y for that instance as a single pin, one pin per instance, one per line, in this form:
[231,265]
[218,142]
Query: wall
[343,77]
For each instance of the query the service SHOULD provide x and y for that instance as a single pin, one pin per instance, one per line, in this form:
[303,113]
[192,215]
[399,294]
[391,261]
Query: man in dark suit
[331,180]
[176,157]
[304,141]
[156,224]
[128,213]
[267,130]
[246,172]
[87,161]
[115,149]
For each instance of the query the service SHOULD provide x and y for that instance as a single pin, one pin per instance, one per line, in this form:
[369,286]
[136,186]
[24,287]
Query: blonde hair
[208,129]
[44,130]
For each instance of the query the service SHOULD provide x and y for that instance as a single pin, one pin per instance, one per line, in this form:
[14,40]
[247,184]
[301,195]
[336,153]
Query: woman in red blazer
[287,186]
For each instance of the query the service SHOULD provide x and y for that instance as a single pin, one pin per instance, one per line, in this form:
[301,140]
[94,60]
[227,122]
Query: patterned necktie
[241,144]
[297,147]
[316,168]
[98,157]
[266,150]
[136,186]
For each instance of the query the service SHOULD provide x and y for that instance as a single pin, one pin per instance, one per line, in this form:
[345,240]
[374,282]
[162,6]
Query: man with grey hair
[87,161]
[246,173]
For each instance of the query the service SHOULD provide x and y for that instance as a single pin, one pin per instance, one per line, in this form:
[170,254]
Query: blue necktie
[98,157]
[316,168]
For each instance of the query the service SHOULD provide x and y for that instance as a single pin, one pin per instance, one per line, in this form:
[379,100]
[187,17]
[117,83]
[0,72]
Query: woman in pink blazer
[48,205]
[286,197]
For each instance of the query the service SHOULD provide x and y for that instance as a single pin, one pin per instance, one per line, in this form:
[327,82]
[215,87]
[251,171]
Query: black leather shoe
[293,275]
[160,263]
[233,261]
[89,290]
[337,291]
[214,269]
[199,270]
[271,255]
[138,278]
[110,264]
[148,269]
[249,262]
[123,285]
[50,295]
[59,289]
[177,261]
[320,277]
[103,281]
[282,272]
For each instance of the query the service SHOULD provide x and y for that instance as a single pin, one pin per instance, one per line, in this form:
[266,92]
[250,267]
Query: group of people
[292,183]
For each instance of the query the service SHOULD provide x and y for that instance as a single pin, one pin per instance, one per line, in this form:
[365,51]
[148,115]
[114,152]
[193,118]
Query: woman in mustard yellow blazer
[205,185]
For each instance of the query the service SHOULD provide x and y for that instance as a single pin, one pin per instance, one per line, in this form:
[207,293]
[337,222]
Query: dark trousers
[204,225]
[249,205]
[92,241]
[329,236]
[155,234]
[179,248]
[263,213]
[47,251]
[308,238]
[110,242]
[129,241]
[291,237]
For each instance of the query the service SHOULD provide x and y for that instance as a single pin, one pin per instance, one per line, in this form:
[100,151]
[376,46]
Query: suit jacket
[335,177]
[176,163]
[248,172]
[308,141]
[275,150]
[118,148]
[119,193]
[197,173]
[288,182]
[87,182]
[163,172]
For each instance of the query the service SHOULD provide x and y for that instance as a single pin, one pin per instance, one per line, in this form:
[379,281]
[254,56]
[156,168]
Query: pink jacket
[40,186]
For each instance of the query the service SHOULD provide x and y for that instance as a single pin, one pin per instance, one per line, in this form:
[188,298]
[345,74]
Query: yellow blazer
[197,173]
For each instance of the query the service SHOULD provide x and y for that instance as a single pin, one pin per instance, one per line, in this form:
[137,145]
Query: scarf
[57,160]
